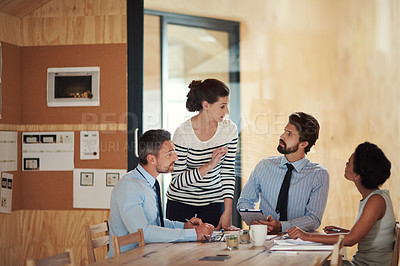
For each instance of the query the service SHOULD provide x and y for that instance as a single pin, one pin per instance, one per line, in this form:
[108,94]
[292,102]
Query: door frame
[231,27]
[135,37]
[135,30]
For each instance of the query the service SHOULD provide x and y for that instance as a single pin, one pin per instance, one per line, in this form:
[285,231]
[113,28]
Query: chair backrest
[336,259]
[120,241]
[65,258]
[395,258]
[93,241]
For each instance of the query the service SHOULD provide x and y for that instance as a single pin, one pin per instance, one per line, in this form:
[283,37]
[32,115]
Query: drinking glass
[232,241]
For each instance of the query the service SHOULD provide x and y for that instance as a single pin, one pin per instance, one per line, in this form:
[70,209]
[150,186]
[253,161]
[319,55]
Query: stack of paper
[298,244]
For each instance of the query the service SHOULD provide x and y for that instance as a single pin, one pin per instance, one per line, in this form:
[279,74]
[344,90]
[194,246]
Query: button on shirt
[308,191]
[134,205]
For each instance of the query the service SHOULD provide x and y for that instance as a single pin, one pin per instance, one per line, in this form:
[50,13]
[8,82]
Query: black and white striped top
[187,186]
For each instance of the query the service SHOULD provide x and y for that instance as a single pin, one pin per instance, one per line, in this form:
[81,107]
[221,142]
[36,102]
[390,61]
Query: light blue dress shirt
[307,197]
[134,205]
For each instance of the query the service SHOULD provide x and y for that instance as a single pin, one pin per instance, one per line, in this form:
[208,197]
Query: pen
[187,220]
[333,230]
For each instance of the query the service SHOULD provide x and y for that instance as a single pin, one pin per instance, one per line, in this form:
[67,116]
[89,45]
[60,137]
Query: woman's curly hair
[371,164]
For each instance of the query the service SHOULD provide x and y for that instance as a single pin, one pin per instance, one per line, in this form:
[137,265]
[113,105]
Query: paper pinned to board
[8,150]
[90,145]
[47,151]
[6,192]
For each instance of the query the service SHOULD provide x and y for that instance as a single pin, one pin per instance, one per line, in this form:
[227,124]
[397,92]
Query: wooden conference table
[189,253]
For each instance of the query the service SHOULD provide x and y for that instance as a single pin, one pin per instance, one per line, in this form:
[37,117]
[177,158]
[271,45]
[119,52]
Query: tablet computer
[250,215]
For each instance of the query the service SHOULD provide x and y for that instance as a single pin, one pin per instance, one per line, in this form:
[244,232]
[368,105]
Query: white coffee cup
[258,233]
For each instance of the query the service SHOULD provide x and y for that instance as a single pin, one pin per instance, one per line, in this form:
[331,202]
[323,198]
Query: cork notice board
[53,190]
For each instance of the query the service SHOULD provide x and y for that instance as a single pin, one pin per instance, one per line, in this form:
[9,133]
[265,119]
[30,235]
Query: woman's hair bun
[194,84]
[207,90]
[192,103]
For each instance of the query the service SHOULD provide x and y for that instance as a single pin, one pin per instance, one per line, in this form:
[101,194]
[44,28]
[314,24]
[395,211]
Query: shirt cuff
[180,225]
[285,226]
[190,235]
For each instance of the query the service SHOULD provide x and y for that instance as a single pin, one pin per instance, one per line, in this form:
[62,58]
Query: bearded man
[292,190]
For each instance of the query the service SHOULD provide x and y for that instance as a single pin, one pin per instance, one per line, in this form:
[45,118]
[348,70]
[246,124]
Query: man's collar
[298,165]
[146,175]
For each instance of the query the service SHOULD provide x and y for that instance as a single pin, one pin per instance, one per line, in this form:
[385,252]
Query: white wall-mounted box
[73,86]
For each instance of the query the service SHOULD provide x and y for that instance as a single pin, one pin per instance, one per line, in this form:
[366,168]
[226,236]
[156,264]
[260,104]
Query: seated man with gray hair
[136,200]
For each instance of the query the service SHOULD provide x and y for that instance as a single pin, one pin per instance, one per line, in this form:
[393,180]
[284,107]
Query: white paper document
[269,237]
[8,151]
[47,151]
[298,244]
[90,145]
[6,192]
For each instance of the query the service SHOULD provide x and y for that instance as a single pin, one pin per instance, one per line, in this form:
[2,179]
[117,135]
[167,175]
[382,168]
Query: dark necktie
[281,206]
[157,185]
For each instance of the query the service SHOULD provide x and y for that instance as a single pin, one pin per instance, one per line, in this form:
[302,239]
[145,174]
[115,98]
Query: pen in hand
[333,230]
[187,220]
[195,216]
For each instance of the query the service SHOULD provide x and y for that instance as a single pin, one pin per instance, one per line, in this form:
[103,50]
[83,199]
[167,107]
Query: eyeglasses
[212,238]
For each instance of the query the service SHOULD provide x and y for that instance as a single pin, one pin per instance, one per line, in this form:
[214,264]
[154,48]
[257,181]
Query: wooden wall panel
[20,8]
[11,237]
[72,8]
[61,22]
[36,234]
[89,125]
[74,30]
[10,29]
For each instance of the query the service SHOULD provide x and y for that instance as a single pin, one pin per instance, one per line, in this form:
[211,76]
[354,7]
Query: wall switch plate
[112,179]
[87,178]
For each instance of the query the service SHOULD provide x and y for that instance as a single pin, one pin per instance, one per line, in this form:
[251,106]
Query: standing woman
[203,181]
[374,229]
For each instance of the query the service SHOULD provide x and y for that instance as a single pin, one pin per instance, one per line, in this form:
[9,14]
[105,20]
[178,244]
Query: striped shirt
[187,186]
[307,197]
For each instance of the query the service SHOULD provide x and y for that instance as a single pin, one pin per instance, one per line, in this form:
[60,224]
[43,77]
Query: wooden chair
[396,250]
[336,258]
[65,258]
[92,242]
[120,241]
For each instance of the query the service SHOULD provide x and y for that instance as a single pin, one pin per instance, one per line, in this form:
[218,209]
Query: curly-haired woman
[368,168]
